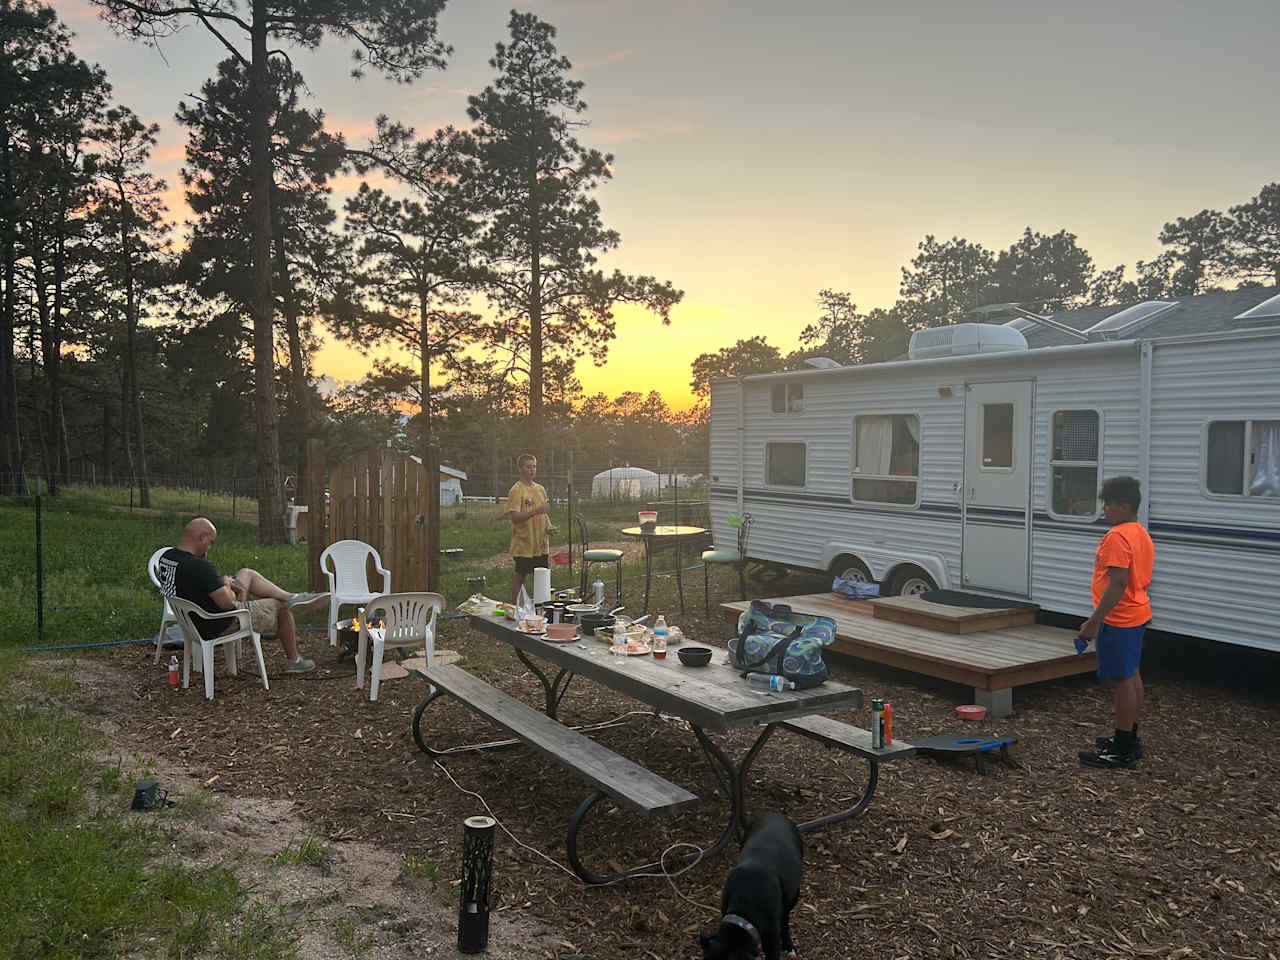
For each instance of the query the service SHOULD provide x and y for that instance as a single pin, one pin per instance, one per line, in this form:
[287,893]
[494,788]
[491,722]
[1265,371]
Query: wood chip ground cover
[1179,858]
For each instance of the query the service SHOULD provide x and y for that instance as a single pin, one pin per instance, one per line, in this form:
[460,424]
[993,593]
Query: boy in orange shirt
[1122,610]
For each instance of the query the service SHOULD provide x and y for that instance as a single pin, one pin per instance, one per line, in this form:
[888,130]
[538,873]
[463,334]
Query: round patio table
[662,537]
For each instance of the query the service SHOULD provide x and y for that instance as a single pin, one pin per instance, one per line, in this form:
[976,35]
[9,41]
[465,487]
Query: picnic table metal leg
[873,777]
[658,867]
[554,689]
[737,783]
[426,748]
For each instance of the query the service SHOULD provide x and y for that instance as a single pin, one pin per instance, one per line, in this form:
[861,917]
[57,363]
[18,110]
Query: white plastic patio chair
[409,621]
[187,613]
[348,581]
[166,614]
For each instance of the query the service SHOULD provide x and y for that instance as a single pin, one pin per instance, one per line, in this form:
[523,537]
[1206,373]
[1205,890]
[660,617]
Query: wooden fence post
[433,517]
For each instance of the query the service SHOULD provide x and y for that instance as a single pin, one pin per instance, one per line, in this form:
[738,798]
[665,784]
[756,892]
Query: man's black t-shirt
[188,577]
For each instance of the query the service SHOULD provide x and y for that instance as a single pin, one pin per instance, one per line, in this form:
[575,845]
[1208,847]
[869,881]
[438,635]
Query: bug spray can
[877,724]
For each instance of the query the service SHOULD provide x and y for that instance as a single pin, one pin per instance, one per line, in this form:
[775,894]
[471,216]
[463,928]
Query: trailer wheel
[911,581]
[851,568]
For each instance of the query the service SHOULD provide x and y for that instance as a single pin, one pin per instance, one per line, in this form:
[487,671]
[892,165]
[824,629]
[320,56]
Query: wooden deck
[993,662]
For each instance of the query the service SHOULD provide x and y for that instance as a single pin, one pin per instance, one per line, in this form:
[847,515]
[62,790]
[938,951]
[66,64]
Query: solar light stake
[477,871]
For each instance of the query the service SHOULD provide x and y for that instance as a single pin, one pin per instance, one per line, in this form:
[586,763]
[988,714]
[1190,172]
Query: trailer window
[1073,463]
[886,458]
[787,398]
[997,436]
[1242,458]
[784,464]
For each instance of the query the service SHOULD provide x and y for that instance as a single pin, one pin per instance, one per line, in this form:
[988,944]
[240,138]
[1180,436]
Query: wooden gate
[384,500]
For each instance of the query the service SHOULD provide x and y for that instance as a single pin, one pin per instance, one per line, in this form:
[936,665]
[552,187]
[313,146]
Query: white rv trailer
[979,472]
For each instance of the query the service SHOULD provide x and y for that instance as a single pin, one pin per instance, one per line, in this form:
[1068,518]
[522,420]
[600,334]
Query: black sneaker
[1108,759]
[1107,745]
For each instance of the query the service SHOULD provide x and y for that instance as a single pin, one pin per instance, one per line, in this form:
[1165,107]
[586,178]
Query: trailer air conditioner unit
[964,339]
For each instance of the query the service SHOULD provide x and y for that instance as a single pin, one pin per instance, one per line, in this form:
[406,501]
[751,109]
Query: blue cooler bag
[774,639]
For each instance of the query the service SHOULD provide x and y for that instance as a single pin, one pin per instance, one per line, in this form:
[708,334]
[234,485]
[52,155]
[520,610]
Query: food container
[634,634]
[533,624]
[648,519]
[588,623]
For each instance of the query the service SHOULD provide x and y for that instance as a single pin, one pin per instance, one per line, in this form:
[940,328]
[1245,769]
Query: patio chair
[187,613]
[348,580]
[724,555]
[600,555]
[409,620]
[166,614]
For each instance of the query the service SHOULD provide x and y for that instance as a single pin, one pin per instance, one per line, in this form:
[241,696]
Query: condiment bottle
[173,671]
[660,638]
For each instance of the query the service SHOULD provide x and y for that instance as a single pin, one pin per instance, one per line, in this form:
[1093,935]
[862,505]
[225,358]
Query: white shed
[625,482]
[450,483]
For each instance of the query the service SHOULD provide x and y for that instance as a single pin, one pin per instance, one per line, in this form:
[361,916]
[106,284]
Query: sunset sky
[766,150]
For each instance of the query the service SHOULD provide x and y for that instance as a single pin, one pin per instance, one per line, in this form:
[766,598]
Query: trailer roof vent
[964,339]
[1131,319]
[1267,313]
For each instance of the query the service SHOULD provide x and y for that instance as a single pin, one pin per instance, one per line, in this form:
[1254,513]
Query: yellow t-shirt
[528,539]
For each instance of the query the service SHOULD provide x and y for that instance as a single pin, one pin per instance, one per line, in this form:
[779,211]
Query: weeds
[311,850]
[84,878]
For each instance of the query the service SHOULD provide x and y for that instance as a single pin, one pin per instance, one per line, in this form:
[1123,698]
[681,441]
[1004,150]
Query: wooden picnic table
[713,699]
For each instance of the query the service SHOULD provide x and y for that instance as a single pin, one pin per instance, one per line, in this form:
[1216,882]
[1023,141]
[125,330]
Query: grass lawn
[96,588]
[80,875]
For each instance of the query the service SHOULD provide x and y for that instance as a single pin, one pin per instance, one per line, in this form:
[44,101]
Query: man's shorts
[262,615]
[525,565]
[1119,651]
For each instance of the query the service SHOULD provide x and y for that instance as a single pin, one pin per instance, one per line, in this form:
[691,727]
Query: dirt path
[344,898]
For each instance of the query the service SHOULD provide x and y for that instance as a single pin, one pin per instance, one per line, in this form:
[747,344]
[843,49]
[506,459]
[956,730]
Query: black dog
[759,894]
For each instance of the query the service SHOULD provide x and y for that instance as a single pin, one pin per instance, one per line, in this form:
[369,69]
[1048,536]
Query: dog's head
[736,939]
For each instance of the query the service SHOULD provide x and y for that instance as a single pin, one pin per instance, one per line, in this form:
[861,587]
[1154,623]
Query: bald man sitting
[186,573]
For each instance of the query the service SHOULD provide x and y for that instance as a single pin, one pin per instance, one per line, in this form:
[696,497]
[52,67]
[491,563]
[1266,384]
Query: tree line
[1044,273]
[135,349]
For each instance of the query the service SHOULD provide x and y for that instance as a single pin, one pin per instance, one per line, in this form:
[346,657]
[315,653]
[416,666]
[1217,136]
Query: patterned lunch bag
[774,639]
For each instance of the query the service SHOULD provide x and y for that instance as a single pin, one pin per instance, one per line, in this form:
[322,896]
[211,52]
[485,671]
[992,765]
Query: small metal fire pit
[349,639]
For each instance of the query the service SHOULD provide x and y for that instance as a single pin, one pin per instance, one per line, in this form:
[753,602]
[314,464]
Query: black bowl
[694,656]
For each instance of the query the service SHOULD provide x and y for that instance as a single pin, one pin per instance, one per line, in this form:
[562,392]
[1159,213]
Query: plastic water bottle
[173,671]
[660,638]
[619,639]
[770,680]
[597,591]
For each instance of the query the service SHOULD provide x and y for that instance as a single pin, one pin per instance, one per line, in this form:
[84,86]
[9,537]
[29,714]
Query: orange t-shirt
[1126,545]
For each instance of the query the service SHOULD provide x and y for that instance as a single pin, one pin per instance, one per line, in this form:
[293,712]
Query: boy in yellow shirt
[528,510]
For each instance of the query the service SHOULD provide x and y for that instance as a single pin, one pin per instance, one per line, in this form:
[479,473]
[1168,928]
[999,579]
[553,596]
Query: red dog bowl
[971,711]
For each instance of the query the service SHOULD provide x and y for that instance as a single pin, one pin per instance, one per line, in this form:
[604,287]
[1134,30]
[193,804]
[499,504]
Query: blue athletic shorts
[1119,651]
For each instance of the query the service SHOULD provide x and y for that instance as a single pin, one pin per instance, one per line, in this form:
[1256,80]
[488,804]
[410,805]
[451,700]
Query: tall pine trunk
[132,406]
[535,307]
[270,495]
[10,443]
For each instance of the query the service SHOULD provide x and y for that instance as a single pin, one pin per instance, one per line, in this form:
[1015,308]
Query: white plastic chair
[166,614]
[187,612]
[348,581]
[409,621]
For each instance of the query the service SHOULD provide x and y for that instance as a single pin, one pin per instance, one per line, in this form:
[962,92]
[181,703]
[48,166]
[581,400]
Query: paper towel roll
[541,585]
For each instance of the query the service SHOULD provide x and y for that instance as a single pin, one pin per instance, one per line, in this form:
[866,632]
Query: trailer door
[997,486]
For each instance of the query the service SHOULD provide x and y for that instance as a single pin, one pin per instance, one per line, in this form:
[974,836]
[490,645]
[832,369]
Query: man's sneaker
[302,602]
[1107,745]
[301,665]
[1108,759]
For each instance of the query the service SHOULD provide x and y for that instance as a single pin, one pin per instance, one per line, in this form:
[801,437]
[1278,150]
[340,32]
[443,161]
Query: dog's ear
[710,943]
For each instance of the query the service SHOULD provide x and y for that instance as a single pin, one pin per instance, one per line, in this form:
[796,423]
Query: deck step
[947,618]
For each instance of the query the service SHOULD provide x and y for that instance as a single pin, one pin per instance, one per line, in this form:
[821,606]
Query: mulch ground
[1178,858]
